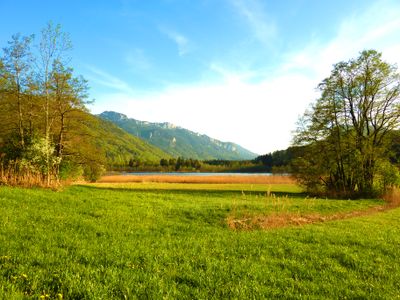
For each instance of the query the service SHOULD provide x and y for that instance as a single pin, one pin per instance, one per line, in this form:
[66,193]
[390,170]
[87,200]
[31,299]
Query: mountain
[178,141]
[117,145]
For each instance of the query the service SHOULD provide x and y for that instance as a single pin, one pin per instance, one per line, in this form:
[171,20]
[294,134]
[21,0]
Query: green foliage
[93,171]
[70,170]
[146,243]
[388,176]
[40,97]
[119,148]
[40,154]
[279,161]
[164,162]
[219,165]
[45,126]
[394,146]
[347,131]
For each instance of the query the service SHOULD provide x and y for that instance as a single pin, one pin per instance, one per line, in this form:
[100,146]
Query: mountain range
[177,141]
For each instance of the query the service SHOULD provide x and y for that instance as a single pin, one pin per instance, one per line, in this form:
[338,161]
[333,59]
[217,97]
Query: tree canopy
[346,130]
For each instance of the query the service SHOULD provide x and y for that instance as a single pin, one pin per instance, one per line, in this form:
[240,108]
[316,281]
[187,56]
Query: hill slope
[178,141]
[119,146]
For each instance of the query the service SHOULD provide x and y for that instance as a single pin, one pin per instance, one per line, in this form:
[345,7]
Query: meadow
[149,240]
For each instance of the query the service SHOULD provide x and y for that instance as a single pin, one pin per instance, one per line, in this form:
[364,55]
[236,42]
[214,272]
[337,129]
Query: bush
[387,176]
[70,170]
[92,172]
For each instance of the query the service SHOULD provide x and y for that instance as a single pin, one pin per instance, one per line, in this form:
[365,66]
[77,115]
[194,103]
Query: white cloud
[253,12]
[180,40]
[261,116]
[375,28]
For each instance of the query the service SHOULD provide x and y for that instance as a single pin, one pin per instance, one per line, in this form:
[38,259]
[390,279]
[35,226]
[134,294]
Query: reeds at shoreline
[278,179]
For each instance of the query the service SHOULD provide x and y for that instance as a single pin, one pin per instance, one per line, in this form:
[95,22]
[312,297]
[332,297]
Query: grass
[153,240]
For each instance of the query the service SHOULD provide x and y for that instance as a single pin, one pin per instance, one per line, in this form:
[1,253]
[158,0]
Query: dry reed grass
[392,197]
[15,175]
[198,179]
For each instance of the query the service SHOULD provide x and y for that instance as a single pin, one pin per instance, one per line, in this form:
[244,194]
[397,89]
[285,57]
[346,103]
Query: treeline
[179,164]
[182,164]
[164,165]
[42,113]
[278,162]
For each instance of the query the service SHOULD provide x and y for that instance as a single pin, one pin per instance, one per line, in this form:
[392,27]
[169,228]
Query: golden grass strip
[198,179]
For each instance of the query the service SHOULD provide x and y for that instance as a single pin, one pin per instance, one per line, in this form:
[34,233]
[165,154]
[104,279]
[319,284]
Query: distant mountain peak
[178,141]
[110,115]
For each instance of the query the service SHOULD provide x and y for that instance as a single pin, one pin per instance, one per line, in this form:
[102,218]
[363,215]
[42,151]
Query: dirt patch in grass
[277,220]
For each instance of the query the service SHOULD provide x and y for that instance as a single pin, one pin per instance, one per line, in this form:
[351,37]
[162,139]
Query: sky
[242,71]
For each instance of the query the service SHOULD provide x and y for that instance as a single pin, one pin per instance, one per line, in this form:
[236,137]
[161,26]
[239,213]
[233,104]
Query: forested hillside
[119,147]
[179,142]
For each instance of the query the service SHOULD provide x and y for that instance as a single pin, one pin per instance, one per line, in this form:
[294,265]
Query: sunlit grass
[167,241]
[245,187]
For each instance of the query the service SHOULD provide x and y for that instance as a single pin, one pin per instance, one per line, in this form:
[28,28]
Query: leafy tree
[53,46]
[172,162]
[42,111]
[15,72]
[164,162]
[395,149]
[196,164]
[179,163]
[68,94]
[346,130]
[37,154]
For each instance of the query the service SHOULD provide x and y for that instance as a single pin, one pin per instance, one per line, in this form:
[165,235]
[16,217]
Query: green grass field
[154,241]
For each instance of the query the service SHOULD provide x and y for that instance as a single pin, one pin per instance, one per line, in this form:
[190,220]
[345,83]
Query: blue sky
[236,70]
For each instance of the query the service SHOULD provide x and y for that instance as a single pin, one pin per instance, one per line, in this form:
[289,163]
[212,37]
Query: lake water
[197,174]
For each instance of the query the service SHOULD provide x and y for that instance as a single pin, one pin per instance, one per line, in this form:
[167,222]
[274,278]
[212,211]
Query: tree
[52,52]
[42,111]
[163,162]
[68,94]
[17,62]
[345,132]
